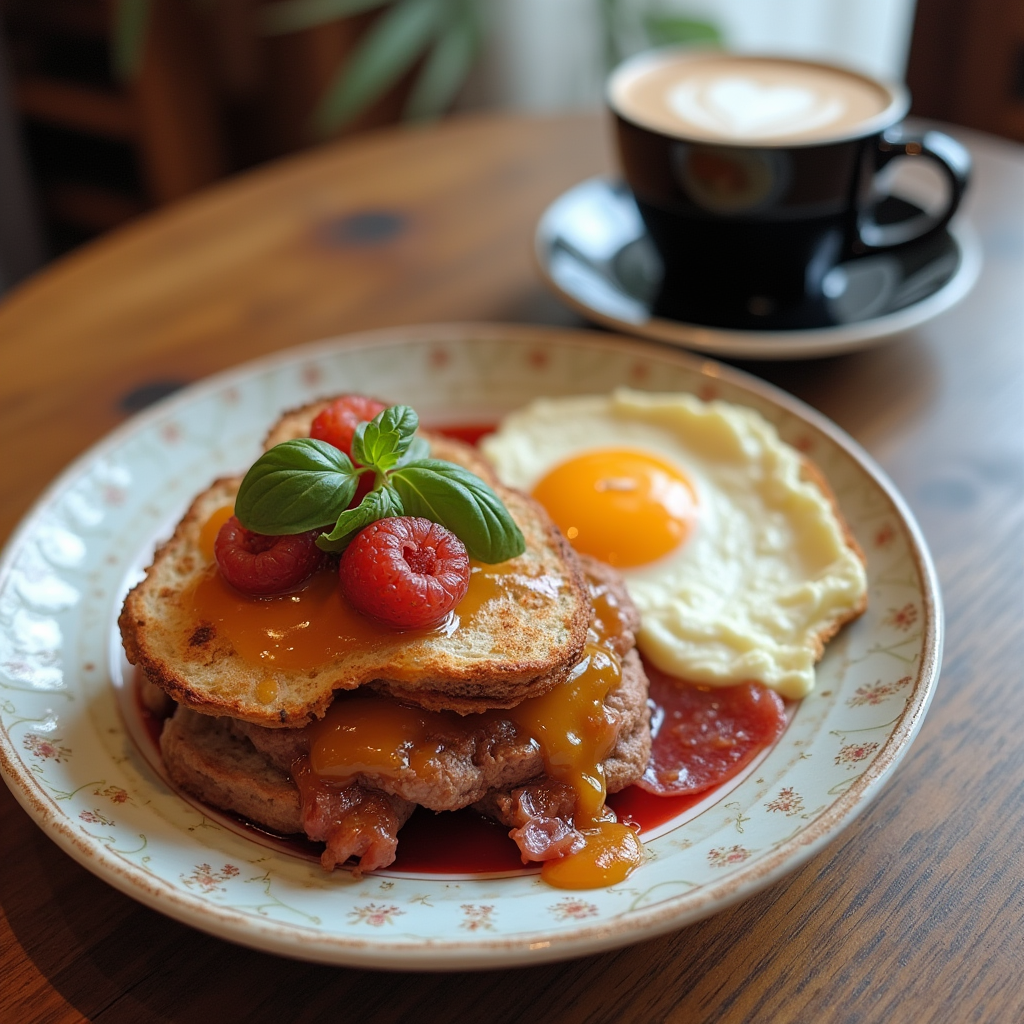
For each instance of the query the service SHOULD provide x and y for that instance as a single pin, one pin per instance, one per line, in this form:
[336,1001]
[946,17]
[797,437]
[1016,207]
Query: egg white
[767,571]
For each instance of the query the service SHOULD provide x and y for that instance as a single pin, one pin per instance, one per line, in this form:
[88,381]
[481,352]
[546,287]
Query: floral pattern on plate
[67,755]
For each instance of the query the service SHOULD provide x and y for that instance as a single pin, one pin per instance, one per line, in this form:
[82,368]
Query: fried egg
[735,556]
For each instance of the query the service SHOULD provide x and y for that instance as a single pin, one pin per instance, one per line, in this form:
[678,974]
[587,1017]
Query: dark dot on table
[371,227]
[146,394]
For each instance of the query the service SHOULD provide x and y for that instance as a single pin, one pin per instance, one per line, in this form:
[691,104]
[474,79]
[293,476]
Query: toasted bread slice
[519,643]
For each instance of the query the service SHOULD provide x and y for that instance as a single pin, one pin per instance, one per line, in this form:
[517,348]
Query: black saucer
[593,249]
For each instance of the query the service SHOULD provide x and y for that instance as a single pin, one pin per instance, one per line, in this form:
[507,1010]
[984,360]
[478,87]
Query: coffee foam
[743,100]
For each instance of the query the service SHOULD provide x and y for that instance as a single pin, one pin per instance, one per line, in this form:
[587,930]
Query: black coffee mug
[749,230]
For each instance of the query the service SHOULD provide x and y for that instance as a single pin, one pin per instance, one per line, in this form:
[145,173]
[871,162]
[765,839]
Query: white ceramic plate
[69,760]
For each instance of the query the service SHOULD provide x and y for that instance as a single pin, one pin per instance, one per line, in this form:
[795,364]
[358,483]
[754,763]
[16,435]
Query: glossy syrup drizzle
[571,725]
[314,624]
[577,731]
[303,629]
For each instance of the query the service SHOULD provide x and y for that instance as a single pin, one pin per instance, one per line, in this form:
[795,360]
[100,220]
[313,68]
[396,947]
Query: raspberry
[259,565]
[337,423]
[405,571]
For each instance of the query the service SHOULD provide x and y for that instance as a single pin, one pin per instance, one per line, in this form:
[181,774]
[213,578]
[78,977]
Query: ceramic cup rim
[894,112]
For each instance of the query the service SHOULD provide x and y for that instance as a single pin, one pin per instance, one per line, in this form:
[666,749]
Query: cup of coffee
[756,177]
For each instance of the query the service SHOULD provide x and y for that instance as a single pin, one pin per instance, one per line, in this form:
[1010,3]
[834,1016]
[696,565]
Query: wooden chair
[212,95]
[166,120]
[967,64]
[21,237]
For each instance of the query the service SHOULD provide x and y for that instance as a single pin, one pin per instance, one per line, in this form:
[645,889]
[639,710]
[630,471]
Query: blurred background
[110,108]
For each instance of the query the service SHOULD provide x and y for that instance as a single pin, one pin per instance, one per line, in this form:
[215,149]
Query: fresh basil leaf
[384,440]
[461,502]
[297,486]
[359,445]
[418,449]
[400,418]
[378,504]
[373,447]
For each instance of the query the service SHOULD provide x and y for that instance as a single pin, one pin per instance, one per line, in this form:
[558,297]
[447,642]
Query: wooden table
[913,914]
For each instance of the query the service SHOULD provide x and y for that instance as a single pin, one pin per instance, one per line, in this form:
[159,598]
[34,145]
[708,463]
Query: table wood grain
[913,914]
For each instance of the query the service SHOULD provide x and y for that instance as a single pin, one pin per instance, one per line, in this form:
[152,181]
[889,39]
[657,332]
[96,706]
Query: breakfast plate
[69,757]
[592,249]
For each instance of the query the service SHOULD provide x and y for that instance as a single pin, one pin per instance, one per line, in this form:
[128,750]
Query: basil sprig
[306,484]
[380,503]
[296,486]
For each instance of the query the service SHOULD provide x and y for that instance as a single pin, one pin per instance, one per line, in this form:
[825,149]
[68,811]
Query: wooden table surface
[913,914]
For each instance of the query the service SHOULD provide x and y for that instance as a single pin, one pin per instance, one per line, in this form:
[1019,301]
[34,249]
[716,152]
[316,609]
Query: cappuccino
[734,100]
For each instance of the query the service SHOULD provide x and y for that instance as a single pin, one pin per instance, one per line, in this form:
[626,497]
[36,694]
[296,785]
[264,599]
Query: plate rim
[524,949]
[808,343]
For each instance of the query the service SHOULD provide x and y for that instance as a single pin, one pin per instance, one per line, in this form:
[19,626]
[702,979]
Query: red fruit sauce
[704,736]
[469,433]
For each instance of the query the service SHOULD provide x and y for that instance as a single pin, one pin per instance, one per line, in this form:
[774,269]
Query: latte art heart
[736,100]
[744,108]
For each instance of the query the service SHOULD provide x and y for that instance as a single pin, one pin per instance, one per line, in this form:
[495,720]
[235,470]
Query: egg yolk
[624,507]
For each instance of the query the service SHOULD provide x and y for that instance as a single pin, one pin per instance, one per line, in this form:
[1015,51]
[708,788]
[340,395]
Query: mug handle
[952,158]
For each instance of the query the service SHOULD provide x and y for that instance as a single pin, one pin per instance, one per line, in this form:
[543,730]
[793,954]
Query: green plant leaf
[371,447]
[609,11]
[418,449]
[128,38]
[378,504]
[461,502]
[297,486]
[448,64]
[386,438]
[400,418]
[390,49]
[295,15]
[664,29]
